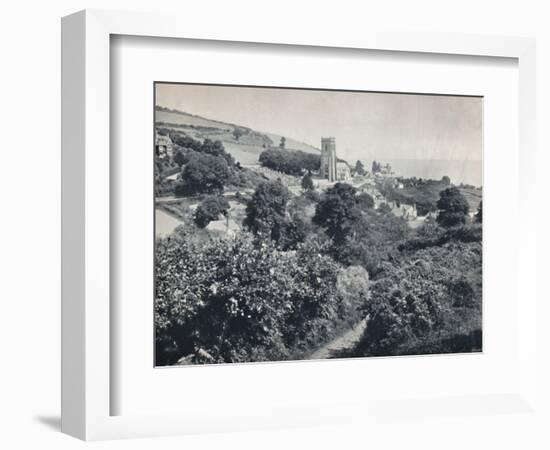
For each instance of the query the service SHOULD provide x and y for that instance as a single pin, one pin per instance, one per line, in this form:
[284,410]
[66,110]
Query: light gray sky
[366,125]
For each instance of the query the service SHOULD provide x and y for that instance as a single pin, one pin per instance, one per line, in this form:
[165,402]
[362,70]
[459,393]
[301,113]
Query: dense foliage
[429,299]
[453,208]
[203,173]
[233,301]
[291,162]
[336,211]
[266,210]
[210,209]
[364,201]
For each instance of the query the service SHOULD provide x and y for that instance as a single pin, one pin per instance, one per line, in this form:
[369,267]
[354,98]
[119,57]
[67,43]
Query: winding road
[343,342]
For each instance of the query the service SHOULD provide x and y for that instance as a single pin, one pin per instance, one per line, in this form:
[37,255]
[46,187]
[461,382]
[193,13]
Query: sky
[366,125]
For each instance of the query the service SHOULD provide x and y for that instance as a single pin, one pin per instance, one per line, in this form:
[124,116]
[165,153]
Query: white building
[342,171]
[408,212]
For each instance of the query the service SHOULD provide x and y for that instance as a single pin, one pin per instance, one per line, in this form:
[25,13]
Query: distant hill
[246,149]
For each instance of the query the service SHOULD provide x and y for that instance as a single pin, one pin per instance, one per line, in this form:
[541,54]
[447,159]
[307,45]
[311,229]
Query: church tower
[328,158]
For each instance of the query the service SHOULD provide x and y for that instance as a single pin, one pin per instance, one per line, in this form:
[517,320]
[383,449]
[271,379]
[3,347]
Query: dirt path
[342,342]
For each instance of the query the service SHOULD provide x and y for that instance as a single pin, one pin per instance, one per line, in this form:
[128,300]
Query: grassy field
[245,154]
[473,196]
[246,150]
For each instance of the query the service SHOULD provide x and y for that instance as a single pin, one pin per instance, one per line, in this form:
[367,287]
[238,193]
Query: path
[165,224]
[343,342]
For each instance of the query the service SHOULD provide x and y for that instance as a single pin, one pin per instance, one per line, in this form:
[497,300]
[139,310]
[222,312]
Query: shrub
[430,299]
[210,209]
[353,287]
[235,301]
[364,201]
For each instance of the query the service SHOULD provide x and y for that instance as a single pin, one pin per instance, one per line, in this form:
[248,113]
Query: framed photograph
[285,241]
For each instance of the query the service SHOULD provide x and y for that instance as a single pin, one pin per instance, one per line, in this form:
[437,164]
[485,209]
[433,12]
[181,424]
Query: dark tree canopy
[291,162]
[282,144]
[266,210]
[376,167]
[446,180]
[453,208]
[237,133]
[179,158]
[185,144]
[359,168]
[336,211]
[364,201]
[211,208]
[203,173]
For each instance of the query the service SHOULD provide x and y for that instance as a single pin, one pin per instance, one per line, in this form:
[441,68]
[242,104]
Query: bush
[364,201]
[430,299]
[210,209]
[353,287]
[236,302]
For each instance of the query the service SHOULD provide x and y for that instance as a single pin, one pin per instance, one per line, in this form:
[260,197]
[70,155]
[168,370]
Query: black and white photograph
[311,224]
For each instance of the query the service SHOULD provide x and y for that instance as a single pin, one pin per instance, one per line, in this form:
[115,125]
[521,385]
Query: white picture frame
[86,222]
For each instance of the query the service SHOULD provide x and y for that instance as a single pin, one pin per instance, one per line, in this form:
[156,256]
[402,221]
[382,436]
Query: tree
[376,167]
[282,144]
[359,168]
[210,209]
[336,211]
[203,174]
[446,180]
[291,162]
[179,158]
[364,201]
[453,208]
[478,216]
[307,182]
[266,210]
[237,133]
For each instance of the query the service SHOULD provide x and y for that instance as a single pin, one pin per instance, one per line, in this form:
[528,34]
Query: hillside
[428,194]
[246,149]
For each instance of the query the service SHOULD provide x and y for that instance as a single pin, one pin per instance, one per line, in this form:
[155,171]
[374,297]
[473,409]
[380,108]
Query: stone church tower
[328,158]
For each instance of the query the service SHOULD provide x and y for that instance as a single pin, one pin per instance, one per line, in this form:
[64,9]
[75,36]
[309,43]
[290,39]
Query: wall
[30,110]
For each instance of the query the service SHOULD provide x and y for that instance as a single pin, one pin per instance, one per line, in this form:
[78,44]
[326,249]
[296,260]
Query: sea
[467,171]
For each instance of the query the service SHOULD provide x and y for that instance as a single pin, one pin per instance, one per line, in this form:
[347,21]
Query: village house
[385,171]
[342,171]
[408,212]
[163,146]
